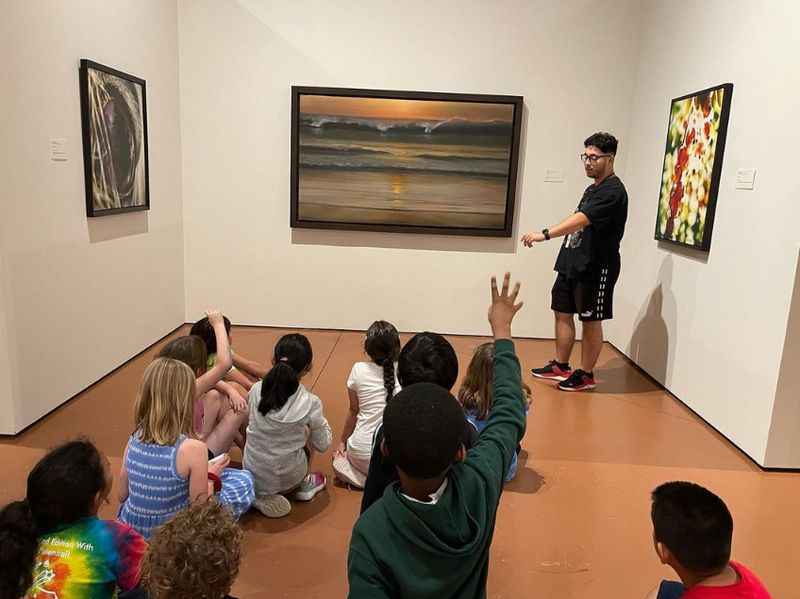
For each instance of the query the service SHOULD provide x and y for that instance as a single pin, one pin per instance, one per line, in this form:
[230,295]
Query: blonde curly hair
[195,555]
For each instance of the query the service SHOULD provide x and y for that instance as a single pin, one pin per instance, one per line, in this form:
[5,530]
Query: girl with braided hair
[369,386]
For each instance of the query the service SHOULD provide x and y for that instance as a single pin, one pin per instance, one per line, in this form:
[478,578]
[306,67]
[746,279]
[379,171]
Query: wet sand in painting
[402,197]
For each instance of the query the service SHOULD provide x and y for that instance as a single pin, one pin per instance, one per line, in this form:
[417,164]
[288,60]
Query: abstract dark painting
[114,119]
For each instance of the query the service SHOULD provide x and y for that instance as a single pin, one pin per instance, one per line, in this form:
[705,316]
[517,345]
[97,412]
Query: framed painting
[114,123]
[416,162]
[698,124]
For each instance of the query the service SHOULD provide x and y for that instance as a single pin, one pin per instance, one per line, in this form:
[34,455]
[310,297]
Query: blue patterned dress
[156,492]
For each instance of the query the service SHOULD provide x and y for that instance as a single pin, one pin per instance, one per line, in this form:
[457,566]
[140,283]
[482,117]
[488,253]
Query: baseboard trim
[610,344]
[688,407]
[85,389]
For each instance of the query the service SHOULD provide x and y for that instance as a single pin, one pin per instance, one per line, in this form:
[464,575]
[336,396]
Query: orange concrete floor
[574,524]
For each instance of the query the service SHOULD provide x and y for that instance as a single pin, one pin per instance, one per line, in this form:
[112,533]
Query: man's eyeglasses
[592,158]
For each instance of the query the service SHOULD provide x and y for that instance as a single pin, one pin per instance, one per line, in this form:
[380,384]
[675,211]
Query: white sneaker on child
[313,483]
[272,506]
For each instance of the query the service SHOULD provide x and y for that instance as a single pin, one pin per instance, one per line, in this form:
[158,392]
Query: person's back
[429,535]
[692,532]
[286,426]
[156,491]
[426,357]
[276,441]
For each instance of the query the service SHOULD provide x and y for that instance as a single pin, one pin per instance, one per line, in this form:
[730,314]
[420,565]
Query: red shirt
[748,587]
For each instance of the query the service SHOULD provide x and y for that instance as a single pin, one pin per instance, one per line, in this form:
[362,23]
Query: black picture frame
[125,153]
[505,231]
[704,244]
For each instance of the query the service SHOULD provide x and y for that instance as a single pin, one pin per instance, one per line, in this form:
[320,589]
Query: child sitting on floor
[475,394]
[240,373]
[54,545]
[369,386]
[426,358]
[286,426]
[220,412]
[692,533]
[196,554]
[429,535]
[165,468]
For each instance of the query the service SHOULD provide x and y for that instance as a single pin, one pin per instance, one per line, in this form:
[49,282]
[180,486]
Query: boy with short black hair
[429,358]
[429,535]
[692,532]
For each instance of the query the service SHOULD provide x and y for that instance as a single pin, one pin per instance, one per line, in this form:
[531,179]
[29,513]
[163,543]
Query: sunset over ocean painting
[403,162]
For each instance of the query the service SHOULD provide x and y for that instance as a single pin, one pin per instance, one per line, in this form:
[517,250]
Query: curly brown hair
[194,555]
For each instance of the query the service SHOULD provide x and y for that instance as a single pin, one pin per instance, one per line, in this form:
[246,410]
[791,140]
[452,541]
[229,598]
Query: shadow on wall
[117,226]
[650,346]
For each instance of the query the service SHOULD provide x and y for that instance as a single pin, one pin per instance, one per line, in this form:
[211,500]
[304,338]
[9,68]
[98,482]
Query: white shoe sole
[273,506]
[586,388]
[560,379]
[308,495]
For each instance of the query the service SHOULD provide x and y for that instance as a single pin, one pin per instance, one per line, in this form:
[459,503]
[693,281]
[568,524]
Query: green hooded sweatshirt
[401,548]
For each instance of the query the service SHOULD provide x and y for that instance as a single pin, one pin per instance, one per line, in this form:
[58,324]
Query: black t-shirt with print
[584,253]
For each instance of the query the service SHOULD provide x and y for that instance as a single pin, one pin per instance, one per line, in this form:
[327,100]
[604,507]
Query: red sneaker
[554,371]
[579,380]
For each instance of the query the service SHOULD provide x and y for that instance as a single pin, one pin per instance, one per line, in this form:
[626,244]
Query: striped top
[156,492]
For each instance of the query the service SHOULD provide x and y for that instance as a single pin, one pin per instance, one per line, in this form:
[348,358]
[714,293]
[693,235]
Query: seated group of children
[432,468]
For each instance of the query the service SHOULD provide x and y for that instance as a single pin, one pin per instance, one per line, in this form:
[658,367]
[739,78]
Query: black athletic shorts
[591,298]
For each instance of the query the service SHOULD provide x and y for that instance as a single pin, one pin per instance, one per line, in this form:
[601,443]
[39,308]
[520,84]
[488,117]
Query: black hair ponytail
[388,377]
[383,346]
[18,547]
[62,488]
[291,357]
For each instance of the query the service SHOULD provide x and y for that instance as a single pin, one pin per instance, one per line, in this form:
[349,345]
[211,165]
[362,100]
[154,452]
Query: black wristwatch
[546,233]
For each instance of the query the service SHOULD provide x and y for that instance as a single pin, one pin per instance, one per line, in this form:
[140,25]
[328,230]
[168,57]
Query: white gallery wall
[573,62]
[712,327]
[79,296]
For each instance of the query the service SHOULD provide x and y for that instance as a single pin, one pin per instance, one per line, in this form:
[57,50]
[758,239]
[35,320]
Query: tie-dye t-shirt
[89,559]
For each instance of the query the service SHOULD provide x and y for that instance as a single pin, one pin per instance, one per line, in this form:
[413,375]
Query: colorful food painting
[692,167]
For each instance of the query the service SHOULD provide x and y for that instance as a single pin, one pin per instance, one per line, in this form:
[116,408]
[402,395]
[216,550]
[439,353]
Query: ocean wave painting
[403,163]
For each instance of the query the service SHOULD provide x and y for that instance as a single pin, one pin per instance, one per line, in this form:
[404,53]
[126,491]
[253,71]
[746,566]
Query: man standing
[588,265]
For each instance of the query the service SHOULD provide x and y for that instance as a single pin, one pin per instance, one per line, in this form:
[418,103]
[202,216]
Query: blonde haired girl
[165,467]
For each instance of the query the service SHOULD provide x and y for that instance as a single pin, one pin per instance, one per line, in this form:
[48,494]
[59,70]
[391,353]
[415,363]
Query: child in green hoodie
[430,533]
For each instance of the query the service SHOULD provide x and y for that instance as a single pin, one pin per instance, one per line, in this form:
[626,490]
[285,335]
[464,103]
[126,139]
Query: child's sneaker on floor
[579,380]
[553,370]
[313,483]
[272,506]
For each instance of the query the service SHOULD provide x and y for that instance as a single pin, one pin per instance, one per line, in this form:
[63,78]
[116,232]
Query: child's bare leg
[213,406]
[226,430]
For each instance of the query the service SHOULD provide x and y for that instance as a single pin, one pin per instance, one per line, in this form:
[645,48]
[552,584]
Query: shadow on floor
[528,480]
[618,376]
[300,514]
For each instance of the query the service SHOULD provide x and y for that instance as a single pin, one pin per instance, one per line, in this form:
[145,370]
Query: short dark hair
[428,358]
[694,524]
[423,427]
[605,142]
[203,329]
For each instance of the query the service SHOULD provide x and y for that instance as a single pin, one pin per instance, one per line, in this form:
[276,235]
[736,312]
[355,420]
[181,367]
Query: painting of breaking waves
[402,164]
